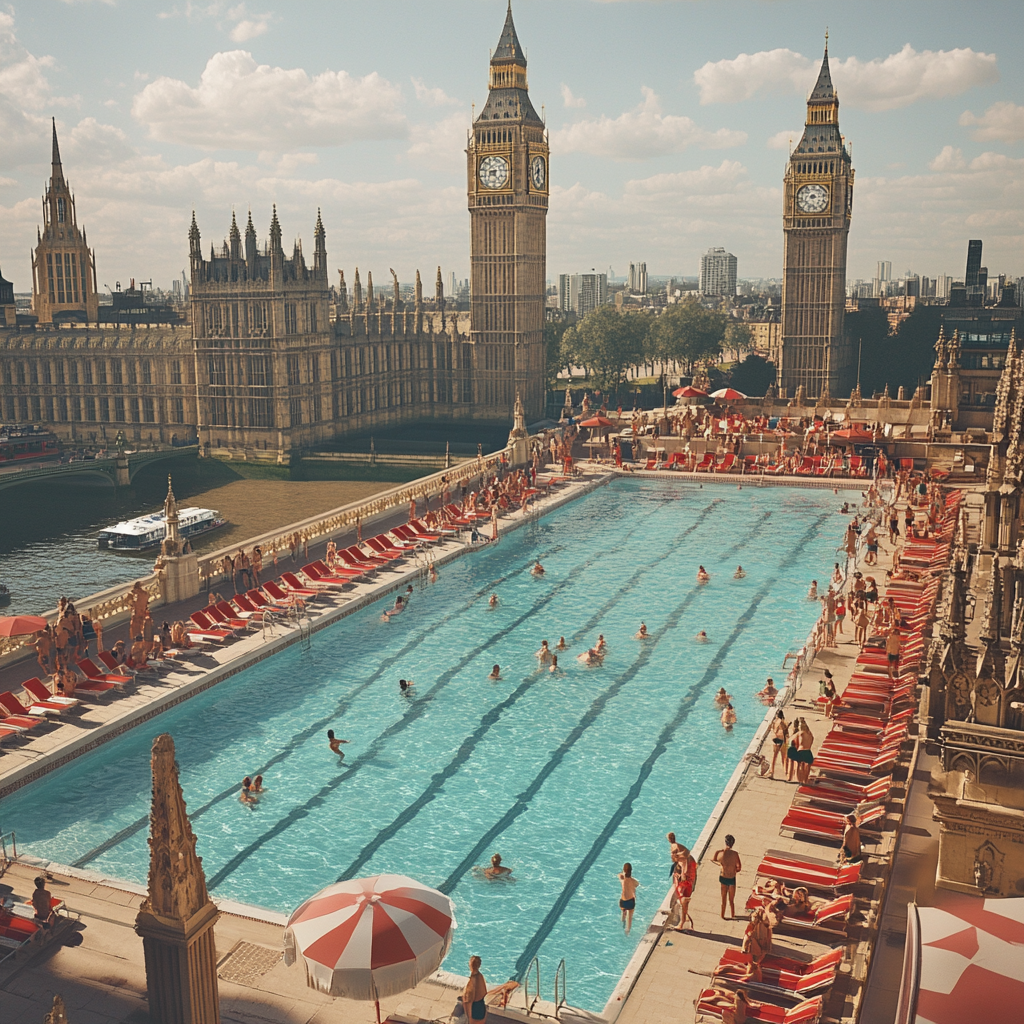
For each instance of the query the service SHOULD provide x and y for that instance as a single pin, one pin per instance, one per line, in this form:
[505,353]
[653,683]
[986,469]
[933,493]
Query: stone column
[179,573]
[176,920]
[518,438]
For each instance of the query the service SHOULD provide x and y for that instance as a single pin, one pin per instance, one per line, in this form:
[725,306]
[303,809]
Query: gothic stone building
[270,362]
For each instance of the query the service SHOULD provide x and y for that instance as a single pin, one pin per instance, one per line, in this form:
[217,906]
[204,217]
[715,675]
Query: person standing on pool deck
[335,744]
[731,865]
[627,902]
[779,730]
[475,992]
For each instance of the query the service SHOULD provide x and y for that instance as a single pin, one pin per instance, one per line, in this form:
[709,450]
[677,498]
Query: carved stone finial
[171,545]
[58,1015]
[177,885]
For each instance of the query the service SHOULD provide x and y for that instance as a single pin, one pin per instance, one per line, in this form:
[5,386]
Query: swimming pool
[566,776]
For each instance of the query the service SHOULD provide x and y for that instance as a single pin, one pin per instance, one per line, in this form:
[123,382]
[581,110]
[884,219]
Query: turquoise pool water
[566,776]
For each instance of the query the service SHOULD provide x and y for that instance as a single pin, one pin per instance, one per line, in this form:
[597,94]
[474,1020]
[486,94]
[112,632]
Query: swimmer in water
[641,633]
[493,600]
[497,869]
[246,796]
[257,785]
[537,570]
[739,573]
[590,658]
[554,669]
[602,644]
[701,637]
[405,685]
[812,593]
[728,717]
[722,698]
[495,673]
[703,575]
[397,610]
[544,654]
[561,645]
[769,693]
[335,744]
[432,573]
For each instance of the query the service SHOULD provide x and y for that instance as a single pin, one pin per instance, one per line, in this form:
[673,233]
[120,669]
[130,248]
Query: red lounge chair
[219,620]
[390,547]
[857,467]
[94,675]
[420,527]
[359,562]
[807,466]
[289,597]
[807,1012]
[373,553]
[705,464]
[259,600]
[16,933]
[37,691]
[781,975]
[808,821]
[19,723]
[37,709]
[231,614]
[206,626]
[726,464]
[795,869]
[841,798]
[324,578]
[830,918]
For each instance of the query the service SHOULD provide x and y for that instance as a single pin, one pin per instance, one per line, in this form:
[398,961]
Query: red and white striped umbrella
[370,938]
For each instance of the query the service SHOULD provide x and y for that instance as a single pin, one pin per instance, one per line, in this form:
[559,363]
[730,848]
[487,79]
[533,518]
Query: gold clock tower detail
[818,205]
[508,206]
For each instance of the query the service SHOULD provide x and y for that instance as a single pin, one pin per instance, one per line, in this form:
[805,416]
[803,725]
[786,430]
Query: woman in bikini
[684,878]
[779,730]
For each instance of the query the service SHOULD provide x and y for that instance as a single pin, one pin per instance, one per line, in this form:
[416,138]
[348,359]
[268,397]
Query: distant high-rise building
[884,272]
[942,285]
[636,281]
[591,291]
[452,284]
[717,272]
[565,303]
[976,276]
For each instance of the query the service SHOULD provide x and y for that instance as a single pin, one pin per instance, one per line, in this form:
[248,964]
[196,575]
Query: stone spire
[419,292]
[177,917]
[235,239]
[509,48]
[953,362]
[518,438]
[171,546]
[320,247]
[371,306]
[357,295]
[396,296]
[823,89]
[56,170]
[250,242]
[275,235]
[342,304]
[941,350]
[194,240]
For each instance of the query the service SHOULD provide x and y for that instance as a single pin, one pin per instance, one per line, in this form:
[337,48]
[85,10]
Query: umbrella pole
[376,1003]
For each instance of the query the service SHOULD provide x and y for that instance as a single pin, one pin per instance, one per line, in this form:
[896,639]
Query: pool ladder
[558,1000]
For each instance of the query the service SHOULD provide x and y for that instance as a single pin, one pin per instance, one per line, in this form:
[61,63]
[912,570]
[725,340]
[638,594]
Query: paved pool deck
[96,964]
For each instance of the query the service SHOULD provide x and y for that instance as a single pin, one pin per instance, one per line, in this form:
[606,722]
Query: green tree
[553,333]
[607,343]
[753,376]
[901,358]
[686,332]
[737,338]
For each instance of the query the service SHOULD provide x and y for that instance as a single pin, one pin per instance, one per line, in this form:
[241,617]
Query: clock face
[538,172]
[493,171]
[812,199]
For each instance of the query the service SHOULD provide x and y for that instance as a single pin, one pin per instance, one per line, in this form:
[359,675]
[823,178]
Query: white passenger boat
[148,531]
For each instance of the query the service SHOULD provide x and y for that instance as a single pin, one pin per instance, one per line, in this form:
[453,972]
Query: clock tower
[508,206]
[817,208]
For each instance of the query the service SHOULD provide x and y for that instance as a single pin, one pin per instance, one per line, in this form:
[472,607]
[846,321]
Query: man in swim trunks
[42,903]
[335,744]
[769,693]
[544,654]
[474,993]
[851,841]
[722,698]
[627,902]
[496,870]
[893,643]
[779,730]
[730,865]
[729,716]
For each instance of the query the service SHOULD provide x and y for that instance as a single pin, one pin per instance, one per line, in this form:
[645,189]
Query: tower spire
[57,171]
[823,88]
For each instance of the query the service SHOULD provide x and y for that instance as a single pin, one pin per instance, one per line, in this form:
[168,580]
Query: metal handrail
[4,857]
[534,967]
[563,1001]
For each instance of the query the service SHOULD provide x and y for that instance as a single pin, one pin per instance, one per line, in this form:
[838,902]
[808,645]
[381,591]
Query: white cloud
[440,145]
[239,104]
[1002,122]
[949,159]
[248,29]
[885,83]
[432,97]
[641,133]
[783,139]
[569,100]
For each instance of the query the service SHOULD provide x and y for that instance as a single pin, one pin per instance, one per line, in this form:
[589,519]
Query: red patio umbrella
[597,421]
[855,434]
[21,625]
[370,938]
[728,395]
[689,392]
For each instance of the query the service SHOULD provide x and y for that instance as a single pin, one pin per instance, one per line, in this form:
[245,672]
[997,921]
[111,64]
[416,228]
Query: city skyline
[236,108]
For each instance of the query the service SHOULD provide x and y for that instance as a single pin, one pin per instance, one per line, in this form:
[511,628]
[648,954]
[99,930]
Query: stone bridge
[118,471]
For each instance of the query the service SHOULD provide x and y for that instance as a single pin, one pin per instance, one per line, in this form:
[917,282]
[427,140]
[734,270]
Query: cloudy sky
[670,125]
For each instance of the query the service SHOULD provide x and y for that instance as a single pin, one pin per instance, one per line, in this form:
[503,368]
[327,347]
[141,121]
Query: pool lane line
[466,749]
[665,737]
[522,801]
[342,706]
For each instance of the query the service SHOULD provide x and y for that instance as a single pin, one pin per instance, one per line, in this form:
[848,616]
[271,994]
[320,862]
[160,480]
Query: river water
[48,532]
